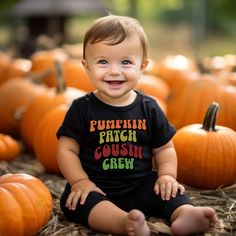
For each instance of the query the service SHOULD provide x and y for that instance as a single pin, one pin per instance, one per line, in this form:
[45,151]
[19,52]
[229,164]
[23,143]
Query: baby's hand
[168,187]
[80,191]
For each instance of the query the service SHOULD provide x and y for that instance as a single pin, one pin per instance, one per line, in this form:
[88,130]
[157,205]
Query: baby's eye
[103,62]
[126,62]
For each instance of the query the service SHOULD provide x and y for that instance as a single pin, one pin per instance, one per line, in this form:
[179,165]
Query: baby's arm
[166,162]
[71,168]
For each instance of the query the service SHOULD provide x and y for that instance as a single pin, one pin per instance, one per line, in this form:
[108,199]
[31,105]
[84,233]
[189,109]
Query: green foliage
[121,6]
[7,4]
[223,8]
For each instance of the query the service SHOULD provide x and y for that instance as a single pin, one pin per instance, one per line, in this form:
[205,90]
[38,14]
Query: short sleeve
[74,122]
[160,128]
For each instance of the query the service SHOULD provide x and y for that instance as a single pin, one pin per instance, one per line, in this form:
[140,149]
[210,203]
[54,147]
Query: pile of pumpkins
[35,95]
[206,152]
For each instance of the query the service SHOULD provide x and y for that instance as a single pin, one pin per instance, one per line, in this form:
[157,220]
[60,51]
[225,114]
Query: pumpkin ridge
[230,168]
[19,191]
[16,219]
[40,197]
[25,189]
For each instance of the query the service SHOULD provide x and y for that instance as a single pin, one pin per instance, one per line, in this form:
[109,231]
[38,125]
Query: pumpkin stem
[60,85]
[37,78]
[210,117]
[199,63]
[234,69]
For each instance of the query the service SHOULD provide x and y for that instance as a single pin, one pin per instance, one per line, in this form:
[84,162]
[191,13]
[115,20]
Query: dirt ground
[222,200]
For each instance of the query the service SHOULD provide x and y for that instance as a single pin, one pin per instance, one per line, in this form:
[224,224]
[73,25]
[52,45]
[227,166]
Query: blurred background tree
[173,26]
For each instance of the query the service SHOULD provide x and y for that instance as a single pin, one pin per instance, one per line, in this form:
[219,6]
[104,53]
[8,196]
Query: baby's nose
[115,69]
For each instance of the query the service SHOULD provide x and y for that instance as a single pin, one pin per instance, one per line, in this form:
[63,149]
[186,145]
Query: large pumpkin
[9,148]
[45,140]
[76,76]
[43,104]
[206,153]
[190,105]
[25,205]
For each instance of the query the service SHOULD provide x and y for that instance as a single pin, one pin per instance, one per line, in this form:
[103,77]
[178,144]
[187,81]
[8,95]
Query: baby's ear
[85,64]
[144,65]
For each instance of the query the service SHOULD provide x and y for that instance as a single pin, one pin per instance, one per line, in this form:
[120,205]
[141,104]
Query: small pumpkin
[25,204]
[9,148]
[206,153]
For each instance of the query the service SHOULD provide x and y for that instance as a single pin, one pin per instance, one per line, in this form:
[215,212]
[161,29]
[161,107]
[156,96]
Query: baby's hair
[114,29]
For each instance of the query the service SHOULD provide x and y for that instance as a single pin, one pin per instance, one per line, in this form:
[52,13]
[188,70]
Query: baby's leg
[188,219]
[108,218]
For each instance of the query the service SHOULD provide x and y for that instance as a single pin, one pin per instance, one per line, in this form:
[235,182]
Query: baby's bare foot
[136,224]
[188,219]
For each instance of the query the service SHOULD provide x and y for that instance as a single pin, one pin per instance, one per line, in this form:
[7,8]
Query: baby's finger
[168,190]
[69,200]
[163,191]
[156,189]
[83,197]
[100,191]
[174,189]
[181,189]
[75,199]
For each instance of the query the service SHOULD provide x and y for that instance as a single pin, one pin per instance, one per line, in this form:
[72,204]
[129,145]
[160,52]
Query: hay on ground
[222,200]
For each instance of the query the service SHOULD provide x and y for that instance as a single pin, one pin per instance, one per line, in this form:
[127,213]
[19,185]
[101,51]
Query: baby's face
[115,69]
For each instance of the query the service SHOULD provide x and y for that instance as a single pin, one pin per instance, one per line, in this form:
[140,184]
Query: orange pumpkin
[76,76]
[25,205]
[9,148]
[42,105]
[175,70]
[5,60]
[231,78]
[45,140]
[154,86]
[191,103]
[206,153]
[45,60]
[15,96]
[19,67]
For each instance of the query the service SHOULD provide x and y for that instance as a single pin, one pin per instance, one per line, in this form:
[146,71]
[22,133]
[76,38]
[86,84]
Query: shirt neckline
[117,108]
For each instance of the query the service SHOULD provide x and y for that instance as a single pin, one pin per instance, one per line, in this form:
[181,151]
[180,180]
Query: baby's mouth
[115,83]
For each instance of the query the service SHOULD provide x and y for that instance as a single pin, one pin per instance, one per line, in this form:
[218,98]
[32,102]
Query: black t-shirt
[116,142]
